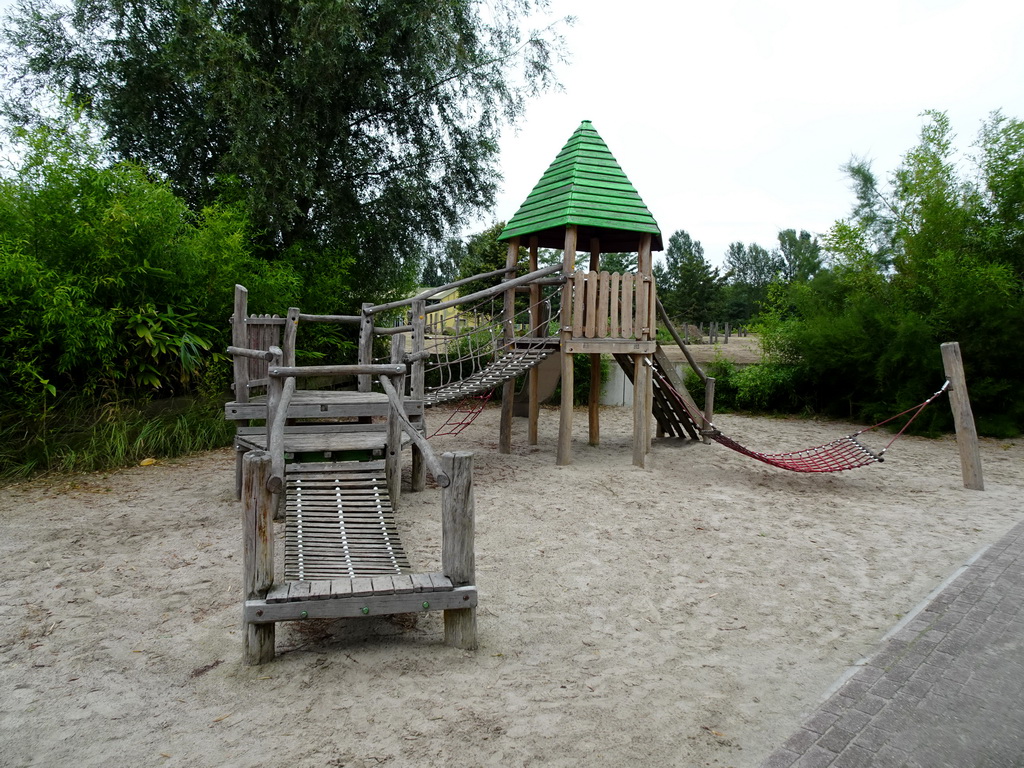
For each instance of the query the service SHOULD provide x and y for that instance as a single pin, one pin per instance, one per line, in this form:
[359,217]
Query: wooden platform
[322,404]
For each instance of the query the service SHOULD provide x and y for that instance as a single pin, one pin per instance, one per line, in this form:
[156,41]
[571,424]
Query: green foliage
[111,290]
[932,257]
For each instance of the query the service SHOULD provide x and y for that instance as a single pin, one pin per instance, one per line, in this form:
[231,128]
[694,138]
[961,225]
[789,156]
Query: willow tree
[354,130]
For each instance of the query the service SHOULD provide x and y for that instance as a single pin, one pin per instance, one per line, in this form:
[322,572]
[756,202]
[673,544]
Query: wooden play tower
[584,202]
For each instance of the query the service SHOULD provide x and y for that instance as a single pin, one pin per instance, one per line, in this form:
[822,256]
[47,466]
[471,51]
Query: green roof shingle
[585,186]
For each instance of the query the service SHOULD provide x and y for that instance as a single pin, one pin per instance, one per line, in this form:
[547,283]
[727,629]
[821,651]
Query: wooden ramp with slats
[673,417]
[509,364]
[339,522]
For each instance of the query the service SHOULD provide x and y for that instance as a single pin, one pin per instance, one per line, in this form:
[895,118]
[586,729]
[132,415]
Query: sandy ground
[688,614]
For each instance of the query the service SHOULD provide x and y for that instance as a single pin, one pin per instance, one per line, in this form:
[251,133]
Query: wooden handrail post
[418,386]
[963,417]
[458,559]
[365,382]
[393,457]
[258,505]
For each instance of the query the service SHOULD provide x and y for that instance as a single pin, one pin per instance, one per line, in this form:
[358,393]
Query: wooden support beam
[508,389]
[564,455]
[594,321]
[365,382]
[418,385]
[639,411]
[458,559]
[536,318]
[258,505]
[963,417]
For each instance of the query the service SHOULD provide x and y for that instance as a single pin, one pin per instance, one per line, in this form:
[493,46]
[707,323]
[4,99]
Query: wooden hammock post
[709,407]
[508,389]
[963,418]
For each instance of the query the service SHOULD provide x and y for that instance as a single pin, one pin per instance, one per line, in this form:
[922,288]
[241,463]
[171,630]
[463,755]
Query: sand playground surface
[687,614]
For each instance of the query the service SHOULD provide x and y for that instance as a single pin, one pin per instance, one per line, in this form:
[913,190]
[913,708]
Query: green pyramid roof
[585,186]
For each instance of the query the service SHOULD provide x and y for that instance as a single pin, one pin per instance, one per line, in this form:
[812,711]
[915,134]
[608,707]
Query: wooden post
[365,381]
[564,455]
[536,318]
[594,396]
[639,406]
[419,328]
[291,332]
[240,338]
[709,405]
[963,417]
[508,389]
[458,560]
[727,329]
[257,552]
[393,457]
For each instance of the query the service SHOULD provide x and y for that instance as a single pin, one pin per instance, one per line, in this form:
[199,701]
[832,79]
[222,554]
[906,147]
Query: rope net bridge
[842,454]
[473,354]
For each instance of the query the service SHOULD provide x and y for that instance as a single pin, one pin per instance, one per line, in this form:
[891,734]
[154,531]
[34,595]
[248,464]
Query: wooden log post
[536,318]
[418,385]
[508,389]
[393,455]
[240,338]
[564,455]
[727,331]
[963,417]
[594,395]
[365,381]
[291,333]
[709,407]
[458,560]
[258,505]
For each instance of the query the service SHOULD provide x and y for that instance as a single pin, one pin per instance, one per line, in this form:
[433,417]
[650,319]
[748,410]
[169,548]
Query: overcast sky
[732,117]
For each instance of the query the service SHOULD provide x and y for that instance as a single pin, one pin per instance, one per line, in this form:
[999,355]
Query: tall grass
[87,440]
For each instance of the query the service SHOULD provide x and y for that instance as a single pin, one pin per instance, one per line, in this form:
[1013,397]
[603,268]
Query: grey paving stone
[946,691]
[815,757]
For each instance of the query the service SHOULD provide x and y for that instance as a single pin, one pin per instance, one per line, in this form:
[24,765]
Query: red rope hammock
[837,456]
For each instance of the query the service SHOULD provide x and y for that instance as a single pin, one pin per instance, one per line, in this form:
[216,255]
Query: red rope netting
[465,413]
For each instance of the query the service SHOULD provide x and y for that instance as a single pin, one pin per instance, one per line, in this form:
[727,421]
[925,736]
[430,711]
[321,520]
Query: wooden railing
[611,305]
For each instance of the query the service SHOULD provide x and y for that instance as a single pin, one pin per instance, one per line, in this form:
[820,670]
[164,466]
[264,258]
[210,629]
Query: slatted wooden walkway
[339,522]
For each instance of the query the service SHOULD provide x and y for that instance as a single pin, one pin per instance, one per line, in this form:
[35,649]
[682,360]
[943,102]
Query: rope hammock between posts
[837,456]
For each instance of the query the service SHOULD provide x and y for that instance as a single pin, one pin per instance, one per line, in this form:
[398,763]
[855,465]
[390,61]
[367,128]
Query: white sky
[732,117]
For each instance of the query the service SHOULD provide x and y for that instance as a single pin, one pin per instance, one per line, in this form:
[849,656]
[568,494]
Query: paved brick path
[946,689]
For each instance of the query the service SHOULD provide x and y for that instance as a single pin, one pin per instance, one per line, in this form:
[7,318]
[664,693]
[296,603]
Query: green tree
[931,256]
[749,271]
[353,131]
[689,287]
[801,255]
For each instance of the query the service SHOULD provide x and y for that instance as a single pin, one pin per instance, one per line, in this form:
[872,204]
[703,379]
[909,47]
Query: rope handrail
[434,291]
